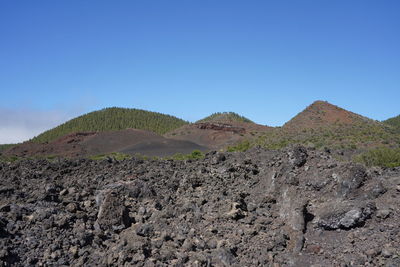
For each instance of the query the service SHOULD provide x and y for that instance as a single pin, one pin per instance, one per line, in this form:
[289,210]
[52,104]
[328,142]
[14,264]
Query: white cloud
[21,125]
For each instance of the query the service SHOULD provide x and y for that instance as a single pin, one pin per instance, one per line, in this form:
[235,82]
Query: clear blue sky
[266,60]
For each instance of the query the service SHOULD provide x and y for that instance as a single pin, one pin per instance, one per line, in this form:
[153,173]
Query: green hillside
[353,137]
[6,146]
[356,136]
[395,122]
[225,116]
[325,125]
[111,119]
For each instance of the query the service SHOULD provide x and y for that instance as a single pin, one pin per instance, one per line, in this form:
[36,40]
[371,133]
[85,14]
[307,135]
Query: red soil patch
[220,127]
[217,135]
[73,138]
[69,145]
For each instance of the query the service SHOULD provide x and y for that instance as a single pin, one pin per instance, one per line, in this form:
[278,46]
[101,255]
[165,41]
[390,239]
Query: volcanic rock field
[294,207]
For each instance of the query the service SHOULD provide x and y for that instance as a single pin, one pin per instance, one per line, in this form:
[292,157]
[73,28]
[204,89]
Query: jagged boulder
[113,212]
[344,215]
[298,156]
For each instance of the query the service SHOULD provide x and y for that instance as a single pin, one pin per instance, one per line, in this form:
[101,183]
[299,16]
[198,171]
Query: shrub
[178,156]
[9,159]
[196,154]
[383,157]
[242,146]
[4,147]
[114,155]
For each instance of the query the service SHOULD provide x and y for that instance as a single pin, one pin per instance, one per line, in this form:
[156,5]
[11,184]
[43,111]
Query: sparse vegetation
[6,146]
[225,116]
[9,159]
[242,146]
[382,156]
[114,155]
[112,119]
[349,137]
[196,154]
[394,122]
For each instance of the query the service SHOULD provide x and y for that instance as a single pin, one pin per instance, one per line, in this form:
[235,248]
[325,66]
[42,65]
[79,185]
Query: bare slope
[163,147]
[321,114]
[219,130]
[131,141]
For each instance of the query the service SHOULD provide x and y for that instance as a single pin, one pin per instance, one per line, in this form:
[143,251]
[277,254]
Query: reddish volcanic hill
[130,141]
[68,145]
[321,124]
[322,113]
[217,134]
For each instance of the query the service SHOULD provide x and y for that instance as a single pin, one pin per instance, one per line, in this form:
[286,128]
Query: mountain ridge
[321,124]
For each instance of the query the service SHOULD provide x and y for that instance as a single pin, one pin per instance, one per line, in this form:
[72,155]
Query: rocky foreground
[258,208]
